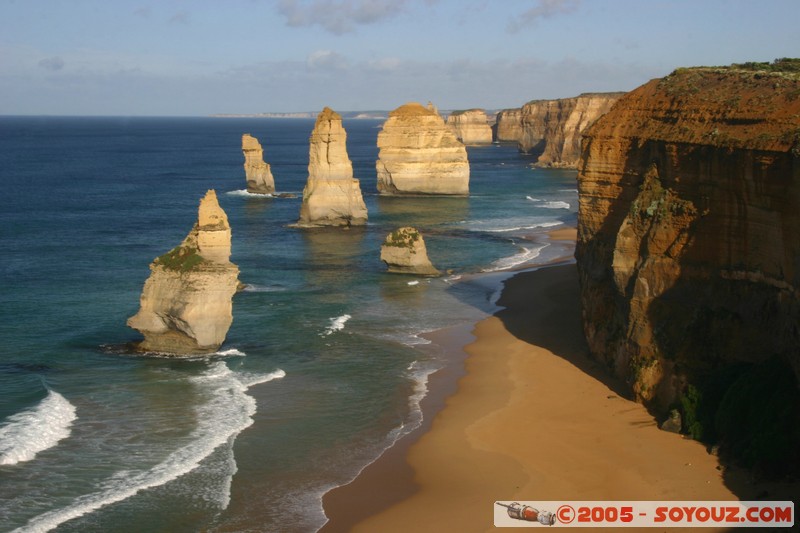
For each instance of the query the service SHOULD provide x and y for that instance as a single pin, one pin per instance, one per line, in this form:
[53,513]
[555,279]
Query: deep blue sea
[323,367]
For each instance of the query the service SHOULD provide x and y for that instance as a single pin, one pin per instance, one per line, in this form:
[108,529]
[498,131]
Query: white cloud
[338,16]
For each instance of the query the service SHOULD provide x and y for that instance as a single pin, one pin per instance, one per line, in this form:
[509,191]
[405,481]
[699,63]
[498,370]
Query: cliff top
[616,94]
[465,111]
[412,109]
[250,143]
[751,106]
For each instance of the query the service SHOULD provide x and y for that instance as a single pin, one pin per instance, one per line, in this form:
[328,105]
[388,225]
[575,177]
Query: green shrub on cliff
[752,411]
[180,258]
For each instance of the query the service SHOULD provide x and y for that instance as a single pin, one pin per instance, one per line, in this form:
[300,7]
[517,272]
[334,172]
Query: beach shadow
[542,307]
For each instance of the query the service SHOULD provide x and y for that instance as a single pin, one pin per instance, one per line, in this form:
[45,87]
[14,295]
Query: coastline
[510,417]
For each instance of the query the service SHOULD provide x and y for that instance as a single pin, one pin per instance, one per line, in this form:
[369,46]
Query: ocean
[323,367]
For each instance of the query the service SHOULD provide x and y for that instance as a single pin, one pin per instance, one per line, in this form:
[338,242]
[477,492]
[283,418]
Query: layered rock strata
[419,154]
[404,252]
[332,197]
[689,228]
[508,127]
[186,307]
[257,172]
[552,129]
[471,126]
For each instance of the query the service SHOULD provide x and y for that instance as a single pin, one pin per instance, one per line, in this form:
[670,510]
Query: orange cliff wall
[689,227]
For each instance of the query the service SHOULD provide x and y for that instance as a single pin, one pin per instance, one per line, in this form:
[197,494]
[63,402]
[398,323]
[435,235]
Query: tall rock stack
[257,172]
[471,126]
[689,228]
[332,197]
[509,125]
[419,154]
[186,303]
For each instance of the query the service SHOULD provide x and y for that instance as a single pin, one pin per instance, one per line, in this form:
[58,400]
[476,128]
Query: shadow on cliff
[542,307]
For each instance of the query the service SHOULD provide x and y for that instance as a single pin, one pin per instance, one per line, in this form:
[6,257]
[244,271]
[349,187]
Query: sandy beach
[532,419]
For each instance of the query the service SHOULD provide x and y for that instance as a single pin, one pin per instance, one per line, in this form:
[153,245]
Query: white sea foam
[413,282]
[522,228]
[419,375]
[36,429]
[525,255]
[263,288]
[557,204]
[245,192]
[227,411]
[231,352]
[337,324]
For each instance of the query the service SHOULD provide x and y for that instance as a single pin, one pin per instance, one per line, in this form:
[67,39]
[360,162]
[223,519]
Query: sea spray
[34,430]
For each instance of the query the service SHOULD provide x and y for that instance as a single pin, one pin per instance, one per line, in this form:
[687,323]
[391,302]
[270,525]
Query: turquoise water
[323,367]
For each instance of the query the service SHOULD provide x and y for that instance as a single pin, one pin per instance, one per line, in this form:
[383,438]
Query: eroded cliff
[419,154]
[508,127]
[552,129]
[404,252]
[185,306]
[471,126]
[332,197]
[689,232]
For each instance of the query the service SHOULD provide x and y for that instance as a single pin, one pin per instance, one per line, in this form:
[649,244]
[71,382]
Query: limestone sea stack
[552,129]
[404,252]
[689,231]
[332,197]
[419,154]
[186,307]
[471,126]
[508,127]
[257,172]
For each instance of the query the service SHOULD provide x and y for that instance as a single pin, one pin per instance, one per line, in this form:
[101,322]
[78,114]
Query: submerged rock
[185,306]
[257,172]
[332,197]
[404,252]
[419,154]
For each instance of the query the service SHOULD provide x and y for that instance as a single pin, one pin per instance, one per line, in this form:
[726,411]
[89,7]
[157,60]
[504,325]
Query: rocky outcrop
[257,172]
[689,228]
[404,252]
[185,307]
[471,126]
[332,197]
[419,154]
[552,129]
[509,125]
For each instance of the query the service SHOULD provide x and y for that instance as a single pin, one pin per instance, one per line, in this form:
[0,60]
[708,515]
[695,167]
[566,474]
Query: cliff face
[471,126]
[552,129]
[689,228]
[257,172]
[186,307]
[404,252]
[419,154]
[509,125]
[332,197]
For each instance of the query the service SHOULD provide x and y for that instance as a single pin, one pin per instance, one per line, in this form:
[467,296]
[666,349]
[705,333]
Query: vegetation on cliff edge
[180,258]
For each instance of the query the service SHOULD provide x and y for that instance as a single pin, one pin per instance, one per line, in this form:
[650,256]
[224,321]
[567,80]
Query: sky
[202,57]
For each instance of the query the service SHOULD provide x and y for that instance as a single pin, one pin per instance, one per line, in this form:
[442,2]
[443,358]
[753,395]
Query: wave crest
[34,430]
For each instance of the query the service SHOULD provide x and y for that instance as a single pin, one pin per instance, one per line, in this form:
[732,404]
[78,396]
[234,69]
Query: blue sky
[181,57]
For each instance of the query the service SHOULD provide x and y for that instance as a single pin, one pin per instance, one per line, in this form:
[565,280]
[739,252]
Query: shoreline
[518,397]
[348,504]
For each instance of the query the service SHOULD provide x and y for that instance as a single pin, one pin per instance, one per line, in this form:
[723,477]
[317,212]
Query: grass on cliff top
[784,65]
[180,258]
[402,238]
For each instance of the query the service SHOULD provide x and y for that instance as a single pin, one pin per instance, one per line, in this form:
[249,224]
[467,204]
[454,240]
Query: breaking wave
[36,429]
[337,324]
